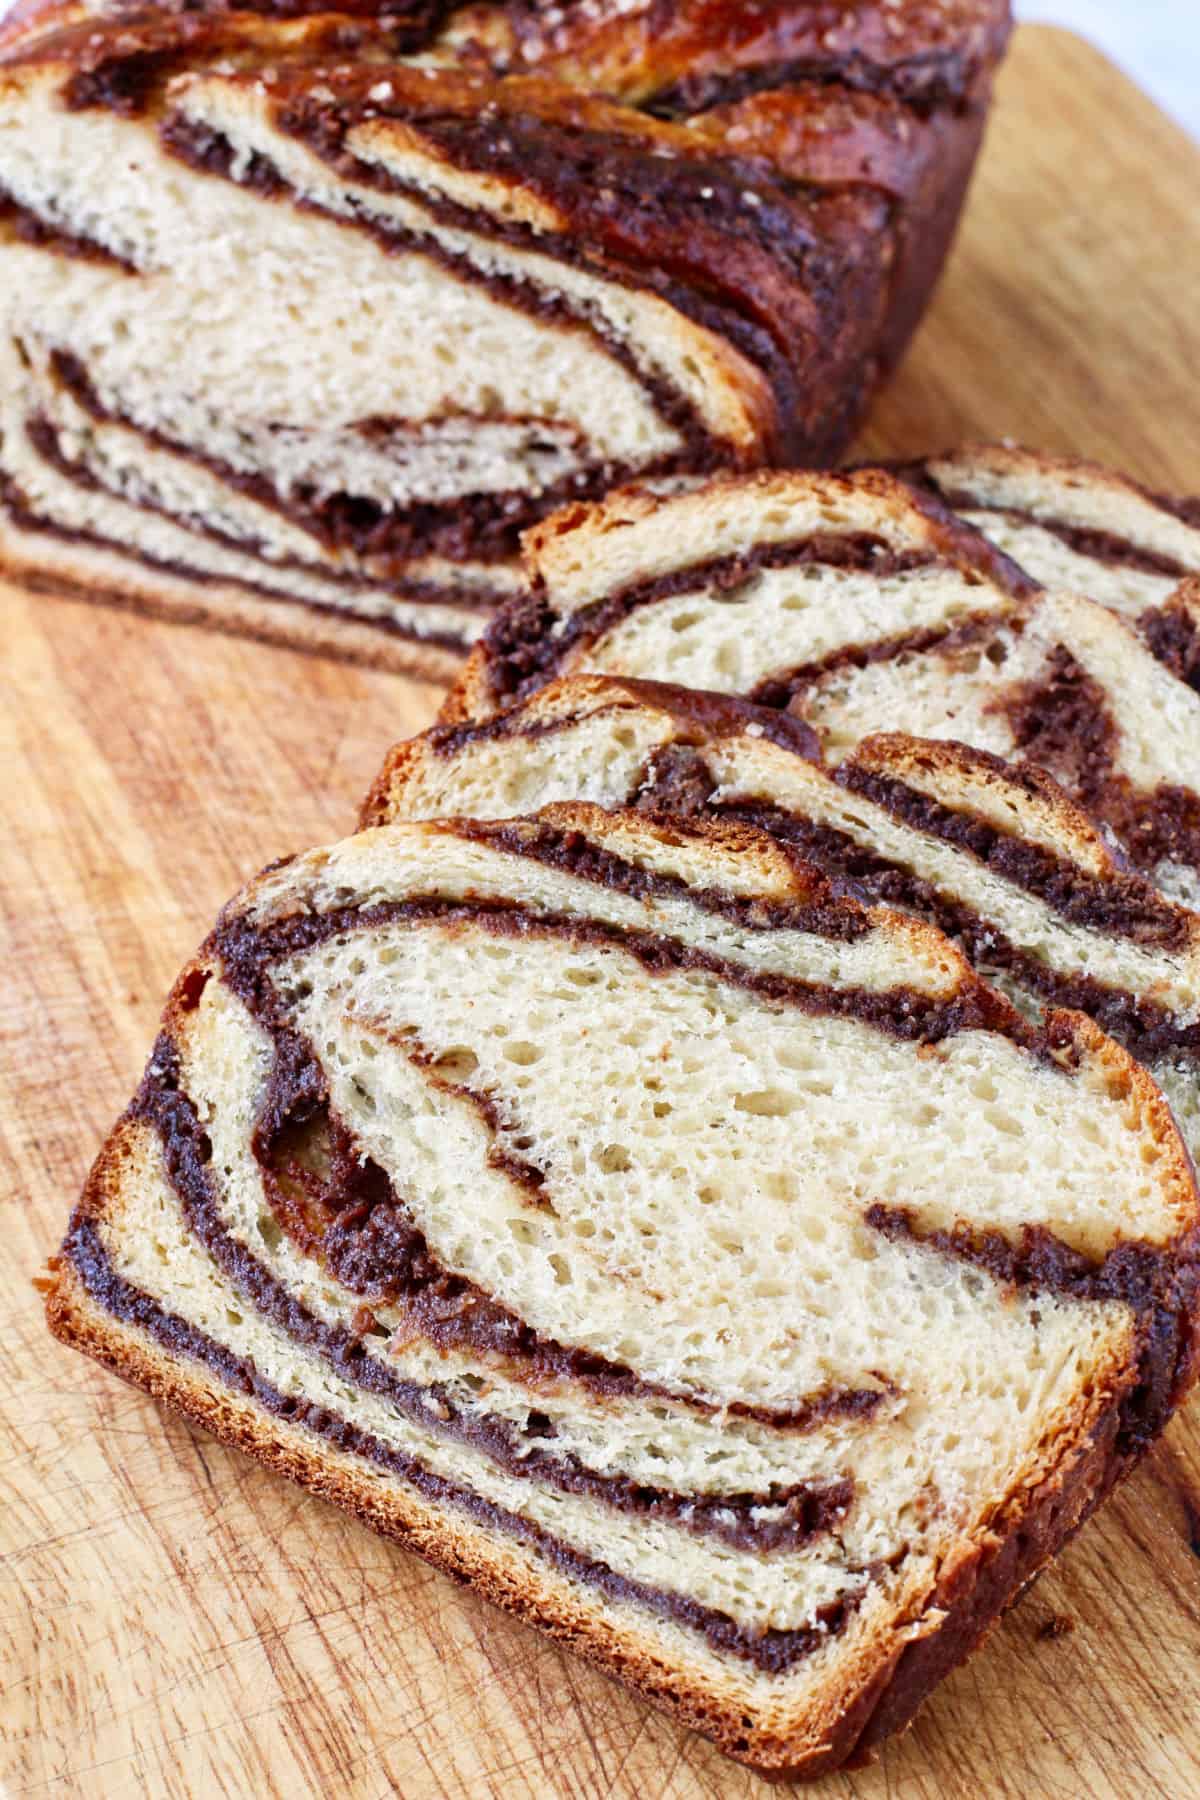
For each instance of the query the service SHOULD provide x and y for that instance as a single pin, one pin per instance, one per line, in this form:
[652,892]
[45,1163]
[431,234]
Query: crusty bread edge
[697,714]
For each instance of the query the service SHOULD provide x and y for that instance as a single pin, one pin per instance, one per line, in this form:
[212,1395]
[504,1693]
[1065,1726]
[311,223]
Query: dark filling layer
[29,227]
[678,783]
[1122,905]
[506,514]
[480,526]
[124,82]
[902,1013]
[709,715]
[1061,720]
[1148,1030]
[804,1509]
[1160,1285]
[575,854]
[44,436]
[527,643]
[925,83]
[782,689]
[771,1650]
[353,1218]
[774,260]
[793,278]
[1099,546]
[1171,633]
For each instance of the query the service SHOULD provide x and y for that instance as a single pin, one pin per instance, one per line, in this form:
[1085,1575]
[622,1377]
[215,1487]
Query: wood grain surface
[178,1623]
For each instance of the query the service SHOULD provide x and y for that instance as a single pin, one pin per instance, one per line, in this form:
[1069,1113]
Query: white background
[1157,41]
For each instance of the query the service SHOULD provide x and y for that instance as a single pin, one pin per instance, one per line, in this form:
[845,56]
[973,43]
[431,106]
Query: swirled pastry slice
[862,606]
[710,1269]
[746,586]
[1077,525]
[303,320]
[1064,685]
[997,856]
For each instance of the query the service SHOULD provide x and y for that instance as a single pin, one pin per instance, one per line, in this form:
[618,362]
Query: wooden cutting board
[178,1623]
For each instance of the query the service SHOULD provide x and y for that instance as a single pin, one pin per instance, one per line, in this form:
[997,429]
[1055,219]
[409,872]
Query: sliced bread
[707,1268]
[995,855]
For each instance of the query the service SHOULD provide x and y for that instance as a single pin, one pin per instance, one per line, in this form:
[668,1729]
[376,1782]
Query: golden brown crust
[897,753]
[468,698]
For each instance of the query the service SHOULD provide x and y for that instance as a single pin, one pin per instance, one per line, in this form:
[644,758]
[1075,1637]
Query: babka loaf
[304,318]
[858,603]
[1075,525]
[708,1268]
[998,857]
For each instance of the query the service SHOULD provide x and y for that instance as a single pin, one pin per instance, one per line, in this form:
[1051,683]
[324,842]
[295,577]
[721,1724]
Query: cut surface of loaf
[744,585]
[1064,685]
[304,319]
[996,856]
[861,605]
[1077,525]
[708,1268]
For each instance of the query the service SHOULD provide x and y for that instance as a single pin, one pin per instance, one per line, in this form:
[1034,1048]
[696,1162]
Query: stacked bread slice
[994,854]
[1071,524]
[608,1174]
[707,1267]
[860,605]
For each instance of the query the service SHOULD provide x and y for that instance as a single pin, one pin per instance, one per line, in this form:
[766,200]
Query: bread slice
[1072,524]
[740,585]
[709,1269]
[862,605]
[996,856]
[303,319]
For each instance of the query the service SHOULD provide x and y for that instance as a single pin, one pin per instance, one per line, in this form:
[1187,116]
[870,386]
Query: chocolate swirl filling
[1062,721]
[391,1260]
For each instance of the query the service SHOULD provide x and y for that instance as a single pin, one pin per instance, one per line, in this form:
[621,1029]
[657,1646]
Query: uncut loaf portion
[860,604]
[711,1270]
[304,319]
[996,855]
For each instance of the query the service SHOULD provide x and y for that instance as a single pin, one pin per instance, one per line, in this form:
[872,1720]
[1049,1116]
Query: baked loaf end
[421,1202]
[305,318]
